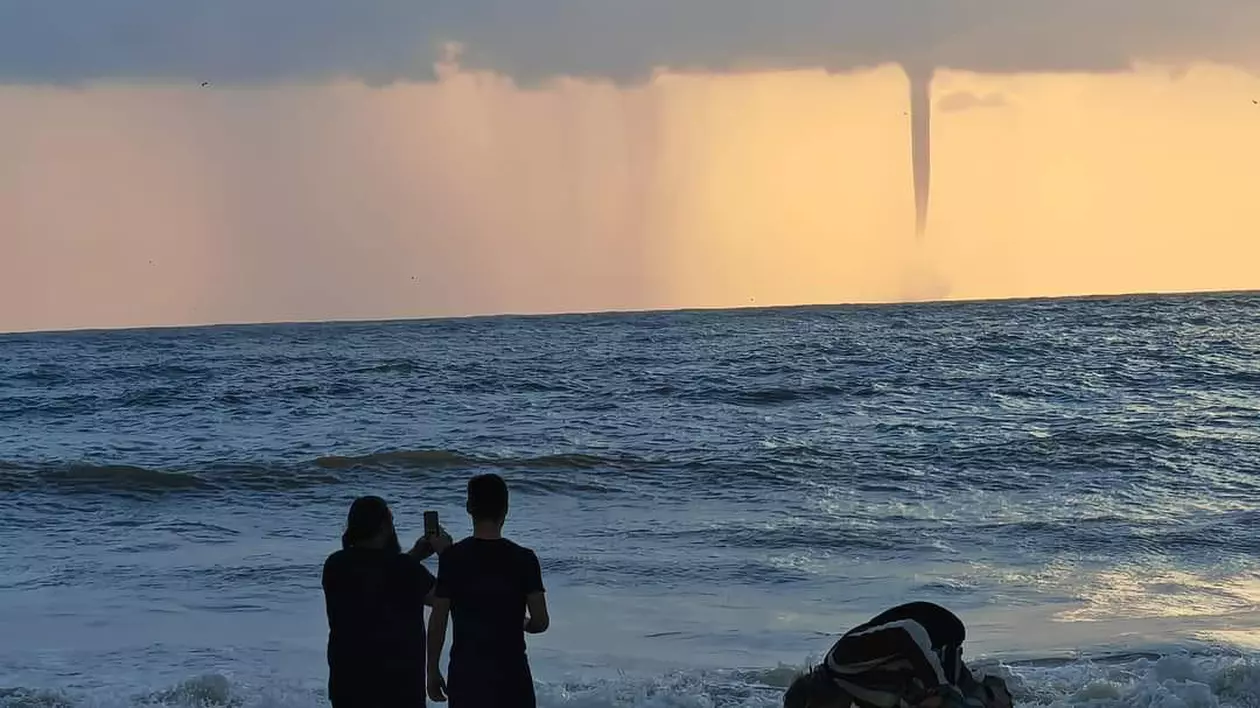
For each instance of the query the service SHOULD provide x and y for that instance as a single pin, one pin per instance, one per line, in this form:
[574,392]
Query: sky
[244,160]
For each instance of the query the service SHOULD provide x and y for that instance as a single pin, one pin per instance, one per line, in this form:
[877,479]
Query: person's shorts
[491,689]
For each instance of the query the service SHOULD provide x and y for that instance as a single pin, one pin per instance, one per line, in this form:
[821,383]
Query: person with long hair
[375,596]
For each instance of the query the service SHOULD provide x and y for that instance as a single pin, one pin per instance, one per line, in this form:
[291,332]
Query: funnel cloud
[921,143]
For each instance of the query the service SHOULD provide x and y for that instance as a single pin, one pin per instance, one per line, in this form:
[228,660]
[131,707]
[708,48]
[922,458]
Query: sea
[714,496]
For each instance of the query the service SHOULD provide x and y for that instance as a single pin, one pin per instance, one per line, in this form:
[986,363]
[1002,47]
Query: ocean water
[713,495]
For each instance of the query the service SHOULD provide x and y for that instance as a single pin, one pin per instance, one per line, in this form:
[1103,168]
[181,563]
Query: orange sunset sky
[141,200]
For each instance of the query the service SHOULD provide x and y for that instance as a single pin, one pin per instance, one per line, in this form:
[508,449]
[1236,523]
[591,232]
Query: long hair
[366,518]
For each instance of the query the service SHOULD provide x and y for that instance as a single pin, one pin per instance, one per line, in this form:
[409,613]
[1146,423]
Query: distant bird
[204,84]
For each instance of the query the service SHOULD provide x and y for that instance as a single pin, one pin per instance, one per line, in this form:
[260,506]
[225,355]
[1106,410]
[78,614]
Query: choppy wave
[96,478]
[430,459]
[131,479]
[1220,679]
[733,393]
[727,475]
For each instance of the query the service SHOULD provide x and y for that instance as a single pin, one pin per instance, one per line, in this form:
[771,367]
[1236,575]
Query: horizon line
[874,304]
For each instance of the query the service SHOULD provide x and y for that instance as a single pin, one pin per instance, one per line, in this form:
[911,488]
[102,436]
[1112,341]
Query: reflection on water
[1145,592]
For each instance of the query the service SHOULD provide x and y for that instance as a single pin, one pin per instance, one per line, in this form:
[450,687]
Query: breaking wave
[1223,678]
[130,479]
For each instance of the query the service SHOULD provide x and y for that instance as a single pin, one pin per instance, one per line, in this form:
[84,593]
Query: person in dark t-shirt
[375,596]
[492,589]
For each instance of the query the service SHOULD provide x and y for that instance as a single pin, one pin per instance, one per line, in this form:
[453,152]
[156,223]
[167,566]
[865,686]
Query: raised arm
[427,586]
[429,545]
[423,549]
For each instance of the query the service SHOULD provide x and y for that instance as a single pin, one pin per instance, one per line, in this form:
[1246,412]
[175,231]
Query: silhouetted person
[906,657]
[375,596]
[486,583]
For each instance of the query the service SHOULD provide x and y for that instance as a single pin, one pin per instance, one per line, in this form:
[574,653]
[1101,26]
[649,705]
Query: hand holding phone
[431,527]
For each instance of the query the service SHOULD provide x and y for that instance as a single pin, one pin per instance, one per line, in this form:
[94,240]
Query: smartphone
[430,523]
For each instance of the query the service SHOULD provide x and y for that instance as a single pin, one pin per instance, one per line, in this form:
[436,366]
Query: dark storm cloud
[73,41]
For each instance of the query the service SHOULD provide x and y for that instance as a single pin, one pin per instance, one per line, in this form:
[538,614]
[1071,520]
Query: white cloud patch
[967,101]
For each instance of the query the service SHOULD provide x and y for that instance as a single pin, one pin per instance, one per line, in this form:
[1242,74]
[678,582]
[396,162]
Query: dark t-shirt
[375,604]
[487,582]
